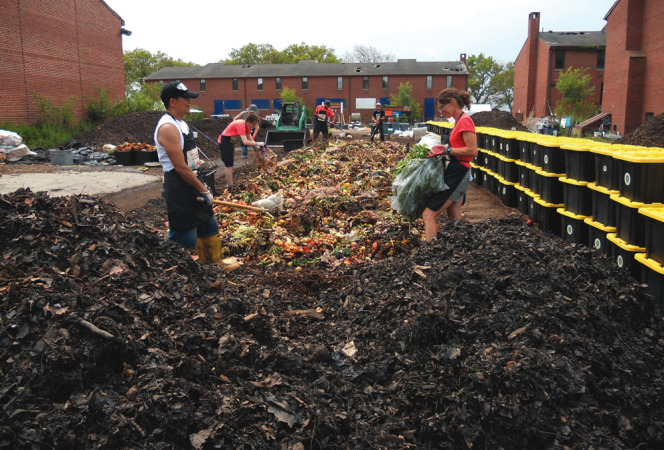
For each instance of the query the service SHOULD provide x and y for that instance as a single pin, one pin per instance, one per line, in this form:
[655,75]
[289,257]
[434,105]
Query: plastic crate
[623,254]
[141,157]
[533,207]
[579,162]
[524,170]
[508,145]
[573,228]
[547,218]
[630,225]
[603,209]
[522,194]
[487,179]
[548,186]
[553,158]
[597,235]
[125,158]
[652,274]
[476,173]
[479,159]
[577,197]
[641,176]
[525,152]
[207,177]
[507,192]
[606,173]
[654,225]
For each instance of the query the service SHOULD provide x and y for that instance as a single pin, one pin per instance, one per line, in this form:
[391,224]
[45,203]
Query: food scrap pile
[330,205]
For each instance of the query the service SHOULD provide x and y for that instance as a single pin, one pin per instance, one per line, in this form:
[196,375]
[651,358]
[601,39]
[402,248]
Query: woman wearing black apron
[462,148]
[191,220]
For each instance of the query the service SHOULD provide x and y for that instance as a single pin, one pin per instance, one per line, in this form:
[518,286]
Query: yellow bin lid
[602,189]
[570,214]
[573,181]
[599,226]
[654,212]
[544,173]
[650,263]
[624,245]
[630,204]
[539,201]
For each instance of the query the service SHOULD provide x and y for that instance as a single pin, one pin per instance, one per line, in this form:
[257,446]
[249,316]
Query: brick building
[228,89]
[634,86]
[61,50]
[543,57]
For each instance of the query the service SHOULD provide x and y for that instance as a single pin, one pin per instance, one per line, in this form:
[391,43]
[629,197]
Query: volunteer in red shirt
[461,150]
[238,130]
[322,115]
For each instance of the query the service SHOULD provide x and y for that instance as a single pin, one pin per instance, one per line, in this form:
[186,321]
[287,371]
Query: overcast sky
[205,31]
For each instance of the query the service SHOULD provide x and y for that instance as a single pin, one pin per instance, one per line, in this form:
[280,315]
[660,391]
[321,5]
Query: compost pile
[329,205]
[494,336]
[139,127]
[497,119]
[650,134]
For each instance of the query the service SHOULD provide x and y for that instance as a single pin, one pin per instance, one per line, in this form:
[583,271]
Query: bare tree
[364,54]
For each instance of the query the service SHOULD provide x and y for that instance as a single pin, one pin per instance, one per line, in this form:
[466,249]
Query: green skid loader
[290,130]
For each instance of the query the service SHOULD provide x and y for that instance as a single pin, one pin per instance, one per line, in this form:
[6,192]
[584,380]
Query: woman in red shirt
[460,151]
[242,129]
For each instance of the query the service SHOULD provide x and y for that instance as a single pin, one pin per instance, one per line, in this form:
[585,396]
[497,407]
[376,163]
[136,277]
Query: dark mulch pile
[497,119]
[650,134]
[139,127]
[496,336]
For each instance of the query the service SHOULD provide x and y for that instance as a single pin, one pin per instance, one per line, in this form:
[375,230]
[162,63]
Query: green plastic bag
[415,184]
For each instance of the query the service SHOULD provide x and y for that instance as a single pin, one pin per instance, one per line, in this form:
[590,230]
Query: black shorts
[457,179]
[227,151]
[320,127]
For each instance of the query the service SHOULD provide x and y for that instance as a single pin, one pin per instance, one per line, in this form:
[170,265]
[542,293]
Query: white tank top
[182,126]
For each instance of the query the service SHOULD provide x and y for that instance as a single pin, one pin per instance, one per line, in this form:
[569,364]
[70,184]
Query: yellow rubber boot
[209,252]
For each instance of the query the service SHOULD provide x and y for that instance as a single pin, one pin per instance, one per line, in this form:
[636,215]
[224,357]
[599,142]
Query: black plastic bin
[641,176]
[597,235]
[141,157]
[579,162]
[577,197]
[603,208]
[654,219]
[125,158]
[630,224]
[573,226]
[206,176]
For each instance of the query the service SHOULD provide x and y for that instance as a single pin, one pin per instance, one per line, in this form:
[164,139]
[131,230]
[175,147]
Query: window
[600,59]
[277,82]
[305,83]
[202,85]
[560,60]
[449,81]
[649,116]
[429,82]
[340,83]
[365,82]
[235,87]
[259,84]
[386,84]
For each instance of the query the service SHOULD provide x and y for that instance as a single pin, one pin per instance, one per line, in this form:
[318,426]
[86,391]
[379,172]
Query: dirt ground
[494,336]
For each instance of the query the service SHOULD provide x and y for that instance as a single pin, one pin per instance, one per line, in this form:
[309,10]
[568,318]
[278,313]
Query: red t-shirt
[236,128]
[464,124]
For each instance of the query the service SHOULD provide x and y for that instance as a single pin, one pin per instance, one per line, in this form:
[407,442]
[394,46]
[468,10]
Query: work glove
[261,144]
[438,150]
[205,198]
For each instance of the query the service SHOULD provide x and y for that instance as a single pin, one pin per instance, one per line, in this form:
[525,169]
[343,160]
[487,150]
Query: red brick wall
[61,50]
[634,84]
[318,87]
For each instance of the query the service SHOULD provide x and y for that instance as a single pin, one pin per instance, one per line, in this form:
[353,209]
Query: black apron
[185,212]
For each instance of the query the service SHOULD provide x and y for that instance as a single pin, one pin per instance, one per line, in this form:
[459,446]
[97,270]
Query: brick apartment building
[633,84]
[228,89]
[61,50]
[543,57]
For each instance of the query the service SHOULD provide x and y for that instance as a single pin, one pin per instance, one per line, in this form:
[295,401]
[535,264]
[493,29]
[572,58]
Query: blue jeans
[187,239]
[245,151]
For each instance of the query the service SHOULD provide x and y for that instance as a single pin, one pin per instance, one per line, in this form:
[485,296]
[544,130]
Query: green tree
[365,54]
[481,71]
[140,63]
[300,52]
[267,54]
[574,85]
[404,98]
[502,87]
